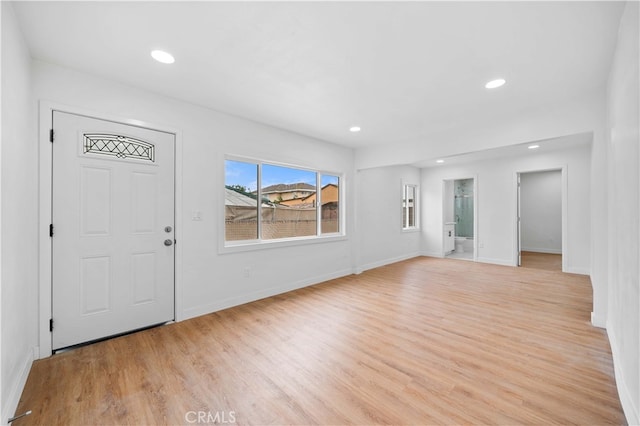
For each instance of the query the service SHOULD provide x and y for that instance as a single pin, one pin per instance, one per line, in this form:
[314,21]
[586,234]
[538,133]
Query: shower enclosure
[463,207]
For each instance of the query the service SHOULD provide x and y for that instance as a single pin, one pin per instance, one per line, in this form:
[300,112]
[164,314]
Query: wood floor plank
[545,261]
[424,341]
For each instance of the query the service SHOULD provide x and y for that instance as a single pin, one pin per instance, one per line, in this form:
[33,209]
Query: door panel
[113,196]
[95,201]
[95,284]
[143,200]
[144,283]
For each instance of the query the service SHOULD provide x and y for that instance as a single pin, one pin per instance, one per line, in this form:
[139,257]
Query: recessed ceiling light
[162,56]
[354,129]
[495,83]
[533,146]
[439,161]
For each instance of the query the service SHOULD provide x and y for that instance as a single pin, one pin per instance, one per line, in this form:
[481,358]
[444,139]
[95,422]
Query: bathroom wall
[541,211]
[463,207]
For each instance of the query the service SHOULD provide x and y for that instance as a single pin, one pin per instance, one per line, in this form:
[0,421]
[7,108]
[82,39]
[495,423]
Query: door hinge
[51,229]
[51,135]
[51,324]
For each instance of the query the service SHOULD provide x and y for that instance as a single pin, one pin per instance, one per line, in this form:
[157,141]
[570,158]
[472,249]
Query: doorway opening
[540,220]
[459,216]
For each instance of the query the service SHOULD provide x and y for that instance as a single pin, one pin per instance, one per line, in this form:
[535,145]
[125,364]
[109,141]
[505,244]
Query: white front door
[113,228]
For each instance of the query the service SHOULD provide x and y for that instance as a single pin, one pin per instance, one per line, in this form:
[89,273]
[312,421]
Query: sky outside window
[327,179]
[245,174]
[241,174]
[273,175]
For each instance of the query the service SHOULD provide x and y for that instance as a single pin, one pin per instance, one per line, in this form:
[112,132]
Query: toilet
[459,241]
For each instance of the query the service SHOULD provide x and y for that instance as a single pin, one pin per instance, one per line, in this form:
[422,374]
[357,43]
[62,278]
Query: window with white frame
[267,202]
[409,206]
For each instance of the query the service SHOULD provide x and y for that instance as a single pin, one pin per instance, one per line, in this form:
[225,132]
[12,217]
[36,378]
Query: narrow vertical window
[409,206]
[241,201]
[330,202]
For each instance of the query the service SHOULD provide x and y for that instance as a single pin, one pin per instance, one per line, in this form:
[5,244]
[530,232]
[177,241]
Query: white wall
[623,116]
[599,224]
[209,280]
[19,253]
[449,202]
[496,199]
[541,211]
[379,199]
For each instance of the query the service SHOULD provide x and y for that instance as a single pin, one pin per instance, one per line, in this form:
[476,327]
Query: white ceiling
[516,150]
[401,71]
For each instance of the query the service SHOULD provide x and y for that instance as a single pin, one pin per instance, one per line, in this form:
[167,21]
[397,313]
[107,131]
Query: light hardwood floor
[424,341]
[546,261]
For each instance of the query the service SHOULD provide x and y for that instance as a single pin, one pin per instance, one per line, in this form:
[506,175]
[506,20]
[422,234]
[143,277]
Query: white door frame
[565,191]
[519,220]
[475,214]
[45,266]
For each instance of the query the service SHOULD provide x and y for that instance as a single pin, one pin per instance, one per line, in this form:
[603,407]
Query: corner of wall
[19,211]
[577,270]
[13,398]
[598,320]
[388,261]
[629,407]
[230,302]
[431,254]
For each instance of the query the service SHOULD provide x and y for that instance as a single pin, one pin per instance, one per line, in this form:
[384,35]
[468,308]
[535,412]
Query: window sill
[239,247]
[414,229]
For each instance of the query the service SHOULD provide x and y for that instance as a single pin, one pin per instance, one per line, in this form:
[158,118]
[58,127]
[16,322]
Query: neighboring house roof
[311,198]
[233,197]
[281,187]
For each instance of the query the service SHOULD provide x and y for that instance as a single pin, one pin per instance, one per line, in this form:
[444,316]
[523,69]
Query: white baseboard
[501,262]
[628,404]
[578,271]
[542,250]
[261,294]
[432,254]
[273,291]
[15,389]
[598,320]
[385,262]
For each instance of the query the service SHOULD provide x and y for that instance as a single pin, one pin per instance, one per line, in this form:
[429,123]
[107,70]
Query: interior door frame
[475,214]
[45,265]
[517,228]
[519,220]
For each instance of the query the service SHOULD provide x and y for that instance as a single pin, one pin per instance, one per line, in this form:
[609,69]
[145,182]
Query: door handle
[168,242]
